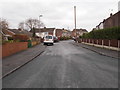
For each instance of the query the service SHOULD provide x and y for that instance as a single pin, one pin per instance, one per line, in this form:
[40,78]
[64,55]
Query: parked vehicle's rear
[48,40]
[55,39]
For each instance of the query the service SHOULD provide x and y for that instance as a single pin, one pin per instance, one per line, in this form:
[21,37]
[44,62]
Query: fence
[103,42]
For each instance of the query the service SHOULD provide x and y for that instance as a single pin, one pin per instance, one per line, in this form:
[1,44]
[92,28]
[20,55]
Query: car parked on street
[56,39]
[48,40]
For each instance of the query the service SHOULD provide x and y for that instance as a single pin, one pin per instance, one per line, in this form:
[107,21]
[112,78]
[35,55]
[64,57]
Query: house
[66,33]
[6,34]
[19,31]
[112,21]
[44,31]
[59,32]
[78,32]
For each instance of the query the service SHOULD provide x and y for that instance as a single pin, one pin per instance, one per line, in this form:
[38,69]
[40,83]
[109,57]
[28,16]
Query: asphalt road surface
[65,65]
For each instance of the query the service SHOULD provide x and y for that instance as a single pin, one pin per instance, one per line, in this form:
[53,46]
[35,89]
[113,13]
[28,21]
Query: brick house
[112,21]
[59,32]
[78,32]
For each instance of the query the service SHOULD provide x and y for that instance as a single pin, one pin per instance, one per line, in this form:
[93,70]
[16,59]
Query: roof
[118,13]
[18,31]
[43,30]
[80,30]
[7,32]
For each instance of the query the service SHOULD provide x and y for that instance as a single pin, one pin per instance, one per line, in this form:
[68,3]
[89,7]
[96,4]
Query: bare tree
[3,24]
[3,27]
[34,23]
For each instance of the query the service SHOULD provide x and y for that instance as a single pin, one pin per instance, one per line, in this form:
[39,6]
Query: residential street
[66,65]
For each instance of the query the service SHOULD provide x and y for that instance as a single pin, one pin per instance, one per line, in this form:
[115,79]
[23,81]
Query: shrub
[109,33]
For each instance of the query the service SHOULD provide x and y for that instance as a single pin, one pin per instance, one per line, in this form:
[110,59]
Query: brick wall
[12,48]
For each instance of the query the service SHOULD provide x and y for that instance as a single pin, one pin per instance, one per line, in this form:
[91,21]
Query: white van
[48,40]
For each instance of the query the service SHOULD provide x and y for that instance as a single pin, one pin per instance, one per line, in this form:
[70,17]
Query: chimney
[111,15]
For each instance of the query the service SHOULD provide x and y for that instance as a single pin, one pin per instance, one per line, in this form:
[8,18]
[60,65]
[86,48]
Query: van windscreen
[49,37]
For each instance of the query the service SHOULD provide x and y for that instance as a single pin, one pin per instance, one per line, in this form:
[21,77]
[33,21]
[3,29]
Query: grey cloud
[58,13]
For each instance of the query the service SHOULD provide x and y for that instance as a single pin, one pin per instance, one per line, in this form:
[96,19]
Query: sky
[58,13]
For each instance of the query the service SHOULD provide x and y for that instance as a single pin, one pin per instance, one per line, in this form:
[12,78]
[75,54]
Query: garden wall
[12,48]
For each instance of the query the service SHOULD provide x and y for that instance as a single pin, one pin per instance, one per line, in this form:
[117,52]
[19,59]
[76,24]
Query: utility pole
[75,20]
[39,23]
[39,19]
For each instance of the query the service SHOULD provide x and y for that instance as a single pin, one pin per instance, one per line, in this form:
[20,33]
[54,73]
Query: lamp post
[39,23]
[40,16]
[75,20]
[39,19]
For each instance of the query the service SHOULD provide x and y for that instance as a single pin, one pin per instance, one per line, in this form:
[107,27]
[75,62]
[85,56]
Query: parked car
[74,38]
[48,40]
[56,39]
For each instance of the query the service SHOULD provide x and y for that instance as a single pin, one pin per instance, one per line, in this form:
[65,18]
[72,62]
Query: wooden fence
[104,42]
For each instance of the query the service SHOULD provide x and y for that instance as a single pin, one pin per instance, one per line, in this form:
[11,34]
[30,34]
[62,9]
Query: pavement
[66,65]
[15,61]
[102,51]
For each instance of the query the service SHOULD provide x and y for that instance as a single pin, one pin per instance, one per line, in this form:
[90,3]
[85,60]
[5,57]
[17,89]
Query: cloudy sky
[58,13]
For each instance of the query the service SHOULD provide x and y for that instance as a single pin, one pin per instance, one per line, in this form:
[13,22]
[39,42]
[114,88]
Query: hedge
[109,33]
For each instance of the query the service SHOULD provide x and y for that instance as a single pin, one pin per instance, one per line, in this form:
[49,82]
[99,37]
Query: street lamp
[39,19]
[40,16]
[75,20]
[39,22]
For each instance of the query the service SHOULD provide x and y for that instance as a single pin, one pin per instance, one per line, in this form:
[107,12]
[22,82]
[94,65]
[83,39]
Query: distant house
[59,32]
[43,31]
[78,32]
[6,33]
[66,33]
[19,31]
[100,26]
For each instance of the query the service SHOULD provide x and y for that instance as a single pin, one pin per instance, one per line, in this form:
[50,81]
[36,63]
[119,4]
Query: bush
[65,38]
[109,33]
[10,38]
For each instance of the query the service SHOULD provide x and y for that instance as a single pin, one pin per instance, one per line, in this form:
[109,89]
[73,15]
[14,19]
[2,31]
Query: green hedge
[65,38]
[109,33]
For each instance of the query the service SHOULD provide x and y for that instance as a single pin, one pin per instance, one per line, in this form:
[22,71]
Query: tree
[33,23]
[3,27]
[3,24]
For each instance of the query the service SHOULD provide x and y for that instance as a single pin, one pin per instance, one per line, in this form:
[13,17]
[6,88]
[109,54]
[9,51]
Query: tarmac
[15,61]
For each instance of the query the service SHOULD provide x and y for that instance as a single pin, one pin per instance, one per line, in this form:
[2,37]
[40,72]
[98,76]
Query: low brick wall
[11,48]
